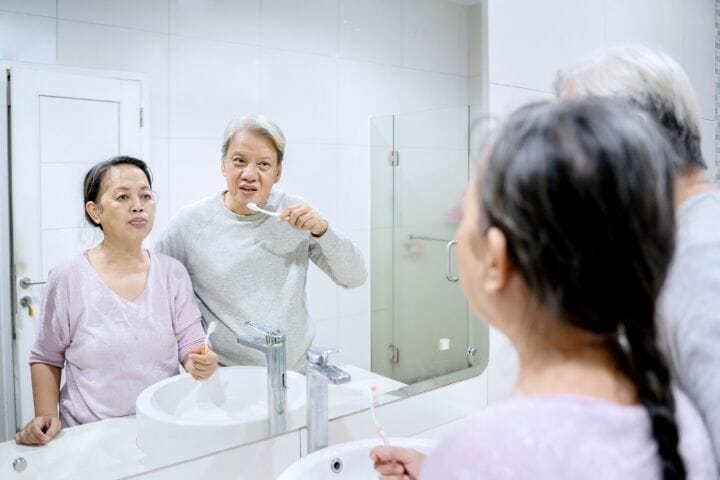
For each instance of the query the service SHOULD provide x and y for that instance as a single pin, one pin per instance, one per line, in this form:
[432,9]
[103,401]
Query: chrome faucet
[272,344]
[318,374]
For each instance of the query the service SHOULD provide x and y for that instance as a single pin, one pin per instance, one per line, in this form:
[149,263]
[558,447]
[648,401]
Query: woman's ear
[497,262]
[92,209]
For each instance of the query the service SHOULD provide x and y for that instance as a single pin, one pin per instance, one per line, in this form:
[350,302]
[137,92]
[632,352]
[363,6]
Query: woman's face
[126,204]
[250,168]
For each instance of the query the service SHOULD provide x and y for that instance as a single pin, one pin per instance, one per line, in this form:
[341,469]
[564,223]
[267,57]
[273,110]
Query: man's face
[250,168]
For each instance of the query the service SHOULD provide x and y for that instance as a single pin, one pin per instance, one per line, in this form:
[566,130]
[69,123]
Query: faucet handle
[319,355]
[272,335]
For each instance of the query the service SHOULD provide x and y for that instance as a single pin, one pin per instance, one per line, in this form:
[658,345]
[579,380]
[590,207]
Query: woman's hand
[200,362]
[394,463]
[304,217]
[39,431]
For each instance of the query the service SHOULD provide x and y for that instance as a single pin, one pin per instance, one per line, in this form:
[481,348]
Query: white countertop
[107,449]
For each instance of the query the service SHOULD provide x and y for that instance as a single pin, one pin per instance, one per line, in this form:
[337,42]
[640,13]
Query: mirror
[321,71]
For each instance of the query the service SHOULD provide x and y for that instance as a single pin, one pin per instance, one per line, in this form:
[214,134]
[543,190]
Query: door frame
[9,397]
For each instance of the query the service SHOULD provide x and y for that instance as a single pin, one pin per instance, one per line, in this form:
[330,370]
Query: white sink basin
[180,416]
[347,461]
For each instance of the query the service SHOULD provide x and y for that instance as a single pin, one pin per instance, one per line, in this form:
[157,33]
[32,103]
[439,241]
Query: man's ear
[278,174]
[497,262]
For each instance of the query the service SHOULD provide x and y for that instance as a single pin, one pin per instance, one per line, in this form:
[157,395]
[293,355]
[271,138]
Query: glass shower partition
[421,325]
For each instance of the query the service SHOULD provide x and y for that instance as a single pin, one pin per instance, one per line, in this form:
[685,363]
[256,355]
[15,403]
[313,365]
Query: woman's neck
[121,253]
[556,358]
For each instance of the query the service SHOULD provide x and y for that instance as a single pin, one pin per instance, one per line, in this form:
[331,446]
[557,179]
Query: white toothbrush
[372,391]
[256,208]
[210,329]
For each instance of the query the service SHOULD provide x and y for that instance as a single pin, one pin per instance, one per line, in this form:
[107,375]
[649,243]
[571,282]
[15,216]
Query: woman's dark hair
[94,178]
[583,192]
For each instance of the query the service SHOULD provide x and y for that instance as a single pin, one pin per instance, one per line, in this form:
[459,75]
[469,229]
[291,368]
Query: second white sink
[347,461]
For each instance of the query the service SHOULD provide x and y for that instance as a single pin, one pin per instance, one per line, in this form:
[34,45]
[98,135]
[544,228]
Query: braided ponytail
[651,376]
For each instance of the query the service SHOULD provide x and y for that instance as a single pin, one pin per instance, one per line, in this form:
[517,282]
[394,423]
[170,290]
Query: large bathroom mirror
[373,97]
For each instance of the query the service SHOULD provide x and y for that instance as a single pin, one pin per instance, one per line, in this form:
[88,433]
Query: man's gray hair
[258,125]
[650,80]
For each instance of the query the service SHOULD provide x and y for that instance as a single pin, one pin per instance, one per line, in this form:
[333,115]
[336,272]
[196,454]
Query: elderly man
[689,308]
[246,265]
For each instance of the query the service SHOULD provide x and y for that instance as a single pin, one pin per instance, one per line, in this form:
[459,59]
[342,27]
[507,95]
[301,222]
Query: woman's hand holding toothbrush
[200,362]
[395,463]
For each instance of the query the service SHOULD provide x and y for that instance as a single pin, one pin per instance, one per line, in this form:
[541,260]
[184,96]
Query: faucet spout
[318,375]
[272,344]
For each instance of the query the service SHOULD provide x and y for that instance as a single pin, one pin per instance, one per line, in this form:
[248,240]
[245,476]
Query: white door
[60,124]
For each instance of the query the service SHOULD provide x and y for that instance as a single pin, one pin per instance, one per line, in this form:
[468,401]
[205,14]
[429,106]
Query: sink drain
[336,465]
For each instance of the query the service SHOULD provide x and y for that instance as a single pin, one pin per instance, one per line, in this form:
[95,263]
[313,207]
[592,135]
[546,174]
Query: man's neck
[691,184]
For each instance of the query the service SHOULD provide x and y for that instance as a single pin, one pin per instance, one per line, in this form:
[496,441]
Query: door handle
[26,302]
[448,274]
[25,282]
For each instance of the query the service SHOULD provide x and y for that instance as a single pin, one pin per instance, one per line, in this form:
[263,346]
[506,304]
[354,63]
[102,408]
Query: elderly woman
[566,239]
[246,265]
[118,317]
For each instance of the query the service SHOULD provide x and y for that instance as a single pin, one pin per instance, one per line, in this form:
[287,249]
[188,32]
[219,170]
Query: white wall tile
[707,137]
[427,90]
[529,40]
[27,38]
[112,48]
[209,84]
[365,90]
[149,15]
[699,52]
[34,7]
[299,92]
[225,20]
[309,26]
[356,301]
[655,23]
[159,165]
[431,36]
[504,100]
[310,171]
[353,188]
[370,30]
[354,341]
[326,334]
[322,293]
[194,171]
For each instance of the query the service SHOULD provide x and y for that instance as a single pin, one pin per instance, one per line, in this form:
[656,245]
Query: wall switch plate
[444,344]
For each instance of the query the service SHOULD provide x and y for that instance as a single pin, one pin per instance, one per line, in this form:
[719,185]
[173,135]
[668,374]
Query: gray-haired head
[259,125]
[649,79]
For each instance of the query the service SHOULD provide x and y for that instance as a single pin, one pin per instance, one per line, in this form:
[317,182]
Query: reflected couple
[120,317]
